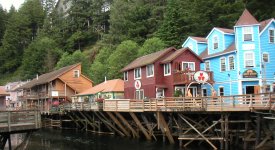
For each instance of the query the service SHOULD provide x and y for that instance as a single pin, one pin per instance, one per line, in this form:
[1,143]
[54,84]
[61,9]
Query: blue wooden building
[242,58]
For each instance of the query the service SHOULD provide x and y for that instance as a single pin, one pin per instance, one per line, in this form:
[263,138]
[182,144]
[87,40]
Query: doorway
[252,89]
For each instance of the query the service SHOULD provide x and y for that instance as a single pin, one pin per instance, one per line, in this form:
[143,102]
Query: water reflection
[53,139]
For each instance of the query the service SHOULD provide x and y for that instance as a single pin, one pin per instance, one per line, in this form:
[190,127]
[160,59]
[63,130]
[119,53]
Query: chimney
[36,76]
[105,79]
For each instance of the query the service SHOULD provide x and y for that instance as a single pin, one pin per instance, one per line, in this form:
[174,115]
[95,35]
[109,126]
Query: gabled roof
[223,30]
[199,39]
[3,91]
[116,85]
[178,53]
[265,23]
[45,78]
[147,59]
[230,49]
[246,19]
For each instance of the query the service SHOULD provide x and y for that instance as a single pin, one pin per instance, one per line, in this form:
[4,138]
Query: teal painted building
[242,58]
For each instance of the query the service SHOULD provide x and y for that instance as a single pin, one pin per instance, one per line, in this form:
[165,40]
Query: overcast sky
[6,4]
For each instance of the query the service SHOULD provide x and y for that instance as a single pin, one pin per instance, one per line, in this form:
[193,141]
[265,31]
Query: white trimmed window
[76,74]
[137,72]
[215,42]
[167,69]
[139,94]
[248,59]
[150,70]
[221,91]
[231,61]
[247,33]
[271,35]
[188,66]
[207,65]
[222,64]
[265,57]
[126,76]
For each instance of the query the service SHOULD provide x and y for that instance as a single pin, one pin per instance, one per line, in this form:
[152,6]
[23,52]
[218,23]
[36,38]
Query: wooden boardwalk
[209,104]
[16,121]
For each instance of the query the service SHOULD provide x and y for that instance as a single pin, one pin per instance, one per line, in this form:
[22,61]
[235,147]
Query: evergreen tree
[3,20]
[150,46]
[99,69]
[40,57]
[122,56]
[70,59]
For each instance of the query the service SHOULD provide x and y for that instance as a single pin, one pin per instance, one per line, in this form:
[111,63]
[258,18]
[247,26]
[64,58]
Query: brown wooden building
[50,89]
[161,73]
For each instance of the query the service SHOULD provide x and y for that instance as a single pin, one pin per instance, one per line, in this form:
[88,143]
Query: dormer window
[76,73]
[137,73]
[247,33]
[215,42]
[271,35]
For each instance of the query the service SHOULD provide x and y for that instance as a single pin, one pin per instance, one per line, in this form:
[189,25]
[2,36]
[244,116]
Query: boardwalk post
[226,132]
[222,132]
[258,130]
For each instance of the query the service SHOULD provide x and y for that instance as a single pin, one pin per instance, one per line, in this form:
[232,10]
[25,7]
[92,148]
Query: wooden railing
[186,77]
[15,121]
[218,103]
[80,106]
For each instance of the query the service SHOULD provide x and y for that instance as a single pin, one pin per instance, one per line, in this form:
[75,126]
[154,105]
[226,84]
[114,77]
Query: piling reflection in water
[53,139]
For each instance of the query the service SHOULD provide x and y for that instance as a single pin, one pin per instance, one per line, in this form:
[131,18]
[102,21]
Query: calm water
[53,139]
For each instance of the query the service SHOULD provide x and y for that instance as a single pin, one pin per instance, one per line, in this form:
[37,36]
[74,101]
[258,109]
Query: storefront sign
[137,84]
[201,76]
[250,74]
[54,93]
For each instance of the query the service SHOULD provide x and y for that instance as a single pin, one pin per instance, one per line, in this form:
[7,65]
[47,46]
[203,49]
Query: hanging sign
[250,74]
[137,84]
[201,76]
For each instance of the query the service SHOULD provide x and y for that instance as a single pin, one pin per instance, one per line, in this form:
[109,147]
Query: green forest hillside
[105,35]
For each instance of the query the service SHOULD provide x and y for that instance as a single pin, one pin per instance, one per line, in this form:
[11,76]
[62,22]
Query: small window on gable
[150,70]
[271,35]
[247,34]
[207,66]
[222,64]
[76,73]
[167,69]
[231,62]
[126,76]
[137,73]
[265,57]
[215,42]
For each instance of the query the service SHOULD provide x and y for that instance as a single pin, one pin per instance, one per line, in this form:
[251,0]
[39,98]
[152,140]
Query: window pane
[271,36]
[185,66]
[223,64]
[231,63]
[265,58]
[191,66]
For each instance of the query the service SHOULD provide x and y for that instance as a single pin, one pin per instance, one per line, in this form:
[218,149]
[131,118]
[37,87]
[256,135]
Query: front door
[249,90]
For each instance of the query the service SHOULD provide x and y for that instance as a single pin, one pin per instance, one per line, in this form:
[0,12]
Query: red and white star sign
[201,76]
[137,84]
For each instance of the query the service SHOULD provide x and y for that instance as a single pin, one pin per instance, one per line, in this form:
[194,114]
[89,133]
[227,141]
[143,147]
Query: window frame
[248,33]
[76,74]
[147,71]
[229,64]
[188,62]
[126,76]
[221,87]
[139,95]
[265,53]
[215,42]
[252,59]
[269,35]
[164,69]
[208,65]
[135,70]
[222,64]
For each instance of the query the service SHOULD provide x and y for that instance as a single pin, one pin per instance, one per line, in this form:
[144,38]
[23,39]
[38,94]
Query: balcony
[186,77]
